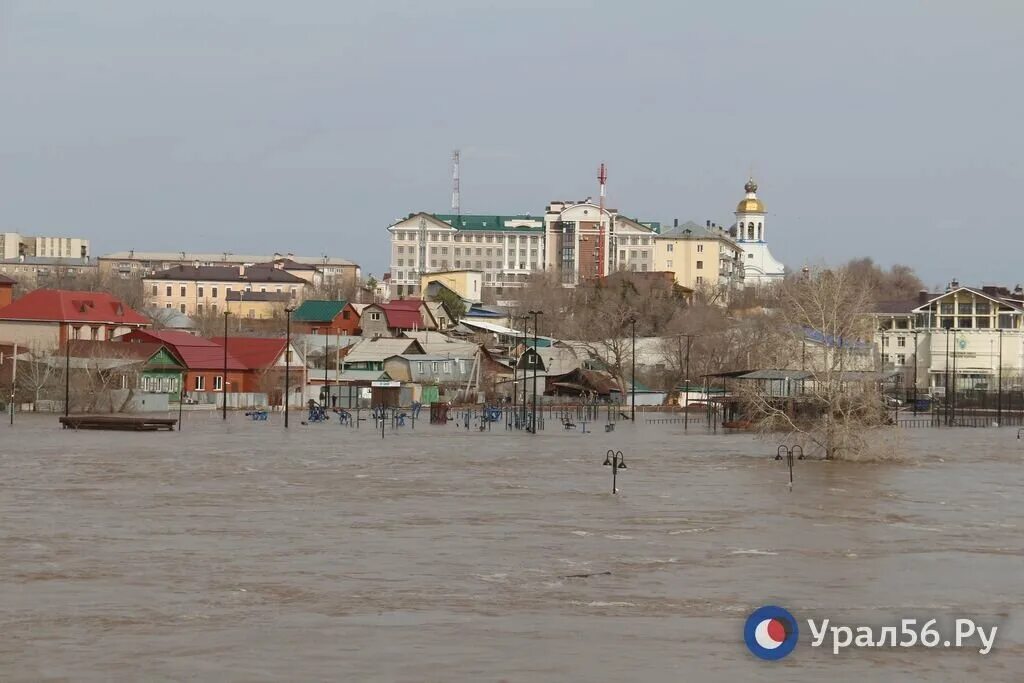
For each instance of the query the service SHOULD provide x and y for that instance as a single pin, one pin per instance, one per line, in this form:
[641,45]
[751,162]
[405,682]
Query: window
[292,293]
[154,290]
[95,332]
[668,247]
[214,292]
[422,366]
[434,366]
[901,359]
[700,248]
[167,305]
[965,322]
[946,309]
[401,262]
[983,322]
[885,358]
[182,308]
[982,308]
[199,309]
[168,290]
[446,367]
[901,341]
[1006,321]
[182,288]
[374,315]
[750,256]
[214,308]
[346,315]
[700,279]
[200,384]
[668,263]
[218,383]
[200,292]
[643,254]
[700,265]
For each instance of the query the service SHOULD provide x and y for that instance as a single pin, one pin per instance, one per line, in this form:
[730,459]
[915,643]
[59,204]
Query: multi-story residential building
[703,258]
[632,245]
[14,245]
[506,249]
[200,290]
[760,267]
[44,271]
[965,338]
[581,243]
[128,264]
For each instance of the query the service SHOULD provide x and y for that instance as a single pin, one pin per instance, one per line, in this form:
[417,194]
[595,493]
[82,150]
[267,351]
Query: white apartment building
[965,337]
[506,249]
[14,245]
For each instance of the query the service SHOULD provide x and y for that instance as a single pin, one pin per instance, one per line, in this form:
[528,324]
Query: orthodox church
[760,267]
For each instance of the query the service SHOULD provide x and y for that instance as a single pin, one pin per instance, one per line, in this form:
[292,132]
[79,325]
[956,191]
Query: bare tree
[39,373]
[833,409]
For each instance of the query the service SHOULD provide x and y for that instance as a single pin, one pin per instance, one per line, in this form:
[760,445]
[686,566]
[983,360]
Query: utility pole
[224,381]
[526,319]
[287,362]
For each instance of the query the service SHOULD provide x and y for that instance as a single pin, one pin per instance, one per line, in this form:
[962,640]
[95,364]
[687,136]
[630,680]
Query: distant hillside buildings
[577,241]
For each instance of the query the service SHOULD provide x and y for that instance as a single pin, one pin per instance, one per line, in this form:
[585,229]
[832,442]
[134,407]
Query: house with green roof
[320,316]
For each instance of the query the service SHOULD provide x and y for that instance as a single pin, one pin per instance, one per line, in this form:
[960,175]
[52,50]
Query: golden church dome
[750,203]
[750,206]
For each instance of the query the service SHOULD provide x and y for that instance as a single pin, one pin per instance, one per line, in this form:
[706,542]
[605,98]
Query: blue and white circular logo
[771,632]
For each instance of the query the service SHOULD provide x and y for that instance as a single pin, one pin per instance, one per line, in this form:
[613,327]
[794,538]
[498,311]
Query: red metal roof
[58,305]
[197,353]
[171,337]
[403,314]
[257,353]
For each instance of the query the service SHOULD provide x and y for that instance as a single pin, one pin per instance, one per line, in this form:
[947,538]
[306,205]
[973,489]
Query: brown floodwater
[242,552]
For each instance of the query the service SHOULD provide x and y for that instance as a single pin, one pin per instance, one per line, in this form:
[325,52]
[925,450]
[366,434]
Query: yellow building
[467,284]
[253,292]
[702,259]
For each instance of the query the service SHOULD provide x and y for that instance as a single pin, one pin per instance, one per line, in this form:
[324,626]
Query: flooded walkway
[245,553]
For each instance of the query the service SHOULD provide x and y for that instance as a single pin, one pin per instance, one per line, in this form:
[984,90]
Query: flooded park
[239,551]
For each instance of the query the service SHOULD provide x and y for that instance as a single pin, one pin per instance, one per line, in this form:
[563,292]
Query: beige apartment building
[251,292]
[701,257]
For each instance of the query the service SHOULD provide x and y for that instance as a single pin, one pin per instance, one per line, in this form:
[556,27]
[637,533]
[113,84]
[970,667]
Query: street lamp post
[327,385]
[915,370]
[67,375]
[522,420]
[224,381]
[287,361]
[632,378]
[616,461]
[536,358]
[999,380]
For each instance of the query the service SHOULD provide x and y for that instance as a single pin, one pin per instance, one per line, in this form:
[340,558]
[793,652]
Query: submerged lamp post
[616,461]
[789,453]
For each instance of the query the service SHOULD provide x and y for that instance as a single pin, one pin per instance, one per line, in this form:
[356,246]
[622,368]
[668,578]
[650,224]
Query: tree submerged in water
[828,399]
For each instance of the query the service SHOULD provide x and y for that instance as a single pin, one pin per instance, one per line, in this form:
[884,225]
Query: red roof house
[49,317]
[203,358]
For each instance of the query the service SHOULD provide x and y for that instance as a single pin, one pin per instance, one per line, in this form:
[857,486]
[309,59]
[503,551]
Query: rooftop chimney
[954,283]
[922,297]
[675,222]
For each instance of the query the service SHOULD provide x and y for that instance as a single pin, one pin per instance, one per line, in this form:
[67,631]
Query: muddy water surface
[242,552]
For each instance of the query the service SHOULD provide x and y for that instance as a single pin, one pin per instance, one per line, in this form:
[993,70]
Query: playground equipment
[258,415]
[317,413]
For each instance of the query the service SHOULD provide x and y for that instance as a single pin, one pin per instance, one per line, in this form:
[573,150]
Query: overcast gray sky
[887,129]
